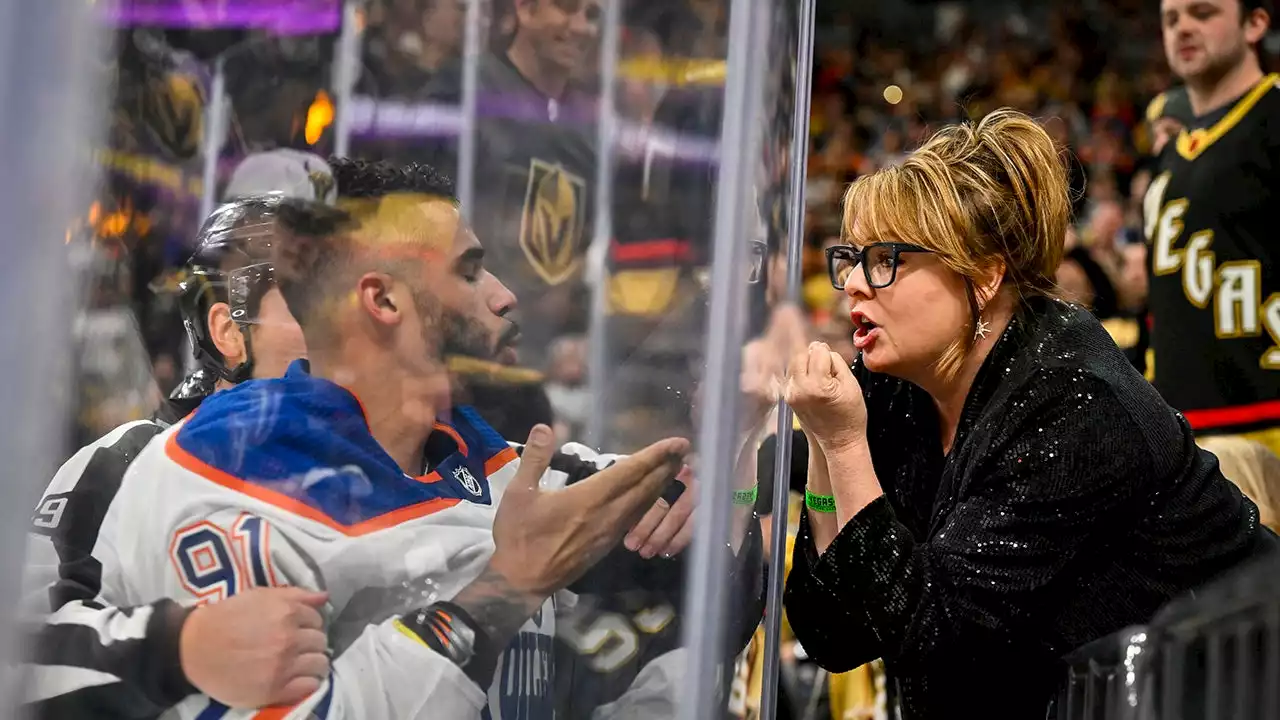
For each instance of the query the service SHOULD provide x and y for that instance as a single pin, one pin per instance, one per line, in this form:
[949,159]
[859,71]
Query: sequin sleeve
[1050,475]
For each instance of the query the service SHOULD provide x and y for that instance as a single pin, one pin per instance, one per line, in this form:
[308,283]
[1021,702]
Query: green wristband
[819,503]
[746,497]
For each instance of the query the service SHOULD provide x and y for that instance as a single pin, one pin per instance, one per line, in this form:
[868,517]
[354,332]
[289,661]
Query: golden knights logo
[551,224]
[468,481]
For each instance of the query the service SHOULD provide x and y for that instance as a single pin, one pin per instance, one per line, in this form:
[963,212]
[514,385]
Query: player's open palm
[265,646]
[546,539]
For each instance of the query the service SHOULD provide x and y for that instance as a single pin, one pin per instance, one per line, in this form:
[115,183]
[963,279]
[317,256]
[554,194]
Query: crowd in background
[882,82]
[884,79]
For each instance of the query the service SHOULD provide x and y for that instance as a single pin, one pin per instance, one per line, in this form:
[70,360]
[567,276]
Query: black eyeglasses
[879,262]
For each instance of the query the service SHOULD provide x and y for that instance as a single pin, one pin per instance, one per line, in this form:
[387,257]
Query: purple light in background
[285,17]
[374,118]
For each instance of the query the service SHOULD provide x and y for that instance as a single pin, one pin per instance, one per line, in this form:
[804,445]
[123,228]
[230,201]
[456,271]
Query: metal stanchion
[718,435]
[782,464]
[472,51]
[346,71]
[49,120]
[215,131]
[602,233]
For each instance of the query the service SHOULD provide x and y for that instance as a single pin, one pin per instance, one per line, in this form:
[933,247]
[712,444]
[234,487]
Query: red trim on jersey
[1236,415]
[661,249]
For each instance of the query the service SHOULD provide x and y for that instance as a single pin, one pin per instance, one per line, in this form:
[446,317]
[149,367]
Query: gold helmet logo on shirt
[551,225]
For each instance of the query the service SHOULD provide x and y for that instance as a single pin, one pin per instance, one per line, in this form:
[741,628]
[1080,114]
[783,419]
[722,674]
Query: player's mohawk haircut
[365,179]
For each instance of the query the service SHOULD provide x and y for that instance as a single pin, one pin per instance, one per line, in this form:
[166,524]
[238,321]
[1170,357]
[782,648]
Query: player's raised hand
[544,540]
[265,646]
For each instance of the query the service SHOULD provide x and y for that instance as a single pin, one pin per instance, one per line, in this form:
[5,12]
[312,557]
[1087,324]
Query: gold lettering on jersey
[606,638]
[1270,359]
[551,224]
[1235,306]
[653,620]
[1197,269]
[1165,260]
[1152,202]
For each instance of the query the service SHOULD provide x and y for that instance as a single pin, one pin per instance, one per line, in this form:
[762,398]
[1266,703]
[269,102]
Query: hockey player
[375,338]
[1214,289]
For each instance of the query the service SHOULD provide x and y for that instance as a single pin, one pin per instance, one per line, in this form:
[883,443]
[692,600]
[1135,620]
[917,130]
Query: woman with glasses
[992,485]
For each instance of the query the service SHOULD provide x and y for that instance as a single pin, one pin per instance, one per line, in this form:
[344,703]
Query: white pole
[215,132]
[602,235]
[346,71]
[51,115]
[472,50]
[795,257]
[719,433]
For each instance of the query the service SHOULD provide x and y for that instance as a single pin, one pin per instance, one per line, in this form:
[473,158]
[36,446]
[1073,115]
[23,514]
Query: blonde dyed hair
[979,195]
[1254,469]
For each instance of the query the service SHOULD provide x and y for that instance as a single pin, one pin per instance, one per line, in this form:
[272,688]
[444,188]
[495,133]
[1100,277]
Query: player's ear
[381,298]
[226,335]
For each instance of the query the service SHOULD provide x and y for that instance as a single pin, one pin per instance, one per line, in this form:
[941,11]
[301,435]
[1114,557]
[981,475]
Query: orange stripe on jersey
[462,444]
[499,461]
[275,712]
[1235,415]
[297,507]
[492,465]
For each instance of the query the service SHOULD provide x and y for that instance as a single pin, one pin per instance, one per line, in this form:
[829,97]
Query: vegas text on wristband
[746,497]
[819,503]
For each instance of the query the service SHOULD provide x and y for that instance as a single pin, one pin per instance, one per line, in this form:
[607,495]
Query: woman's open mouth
[865,330]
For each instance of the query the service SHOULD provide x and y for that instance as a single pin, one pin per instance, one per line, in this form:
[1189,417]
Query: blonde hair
[979,195]
[1254,469]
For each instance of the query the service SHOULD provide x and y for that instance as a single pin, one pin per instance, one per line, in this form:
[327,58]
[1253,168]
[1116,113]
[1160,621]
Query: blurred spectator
[567,386]
[1254,468]
[407,42]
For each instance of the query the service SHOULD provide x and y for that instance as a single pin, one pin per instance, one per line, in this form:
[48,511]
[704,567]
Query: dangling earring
[980,328]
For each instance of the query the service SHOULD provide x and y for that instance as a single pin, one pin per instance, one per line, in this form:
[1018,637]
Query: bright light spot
[893,94]
[319,117]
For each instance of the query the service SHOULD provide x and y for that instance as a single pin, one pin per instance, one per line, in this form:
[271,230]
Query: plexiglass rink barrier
[470,218]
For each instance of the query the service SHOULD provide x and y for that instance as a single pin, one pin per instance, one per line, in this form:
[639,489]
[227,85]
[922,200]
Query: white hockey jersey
[279,482]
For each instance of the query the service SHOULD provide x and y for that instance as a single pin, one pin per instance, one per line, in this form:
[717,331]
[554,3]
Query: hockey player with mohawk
[341,476]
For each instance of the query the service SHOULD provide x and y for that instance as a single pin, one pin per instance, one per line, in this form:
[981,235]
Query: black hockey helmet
[231,264]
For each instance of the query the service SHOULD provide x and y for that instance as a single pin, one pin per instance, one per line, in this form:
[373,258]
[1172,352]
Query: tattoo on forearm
[497,608]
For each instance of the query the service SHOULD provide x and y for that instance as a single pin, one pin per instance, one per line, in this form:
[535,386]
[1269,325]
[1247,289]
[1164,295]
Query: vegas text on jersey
[1211,220]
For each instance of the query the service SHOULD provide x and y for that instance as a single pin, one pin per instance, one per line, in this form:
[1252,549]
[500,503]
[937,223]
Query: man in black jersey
[1211,224]
[535,160]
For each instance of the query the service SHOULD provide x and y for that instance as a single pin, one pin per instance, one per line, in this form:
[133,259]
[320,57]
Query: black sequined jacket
[1074,503]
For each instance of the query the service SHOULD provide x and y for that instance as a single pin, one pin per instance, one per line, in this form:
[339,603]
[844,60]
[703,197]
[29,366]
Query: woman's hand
[761,384]
[764,363]
[826,397]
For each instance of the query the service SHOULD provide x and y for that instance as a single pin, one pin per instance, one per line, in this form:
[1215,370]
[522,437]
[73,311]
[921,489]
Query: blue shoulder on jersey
[308,439]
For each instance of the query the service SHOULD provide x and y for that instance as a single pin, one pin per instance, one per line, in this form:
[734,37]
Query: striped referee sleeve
[89,661]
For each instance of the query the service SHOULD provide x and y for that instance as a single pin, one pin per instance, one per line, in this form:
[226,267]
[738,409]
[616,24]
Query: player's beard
[461,336]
